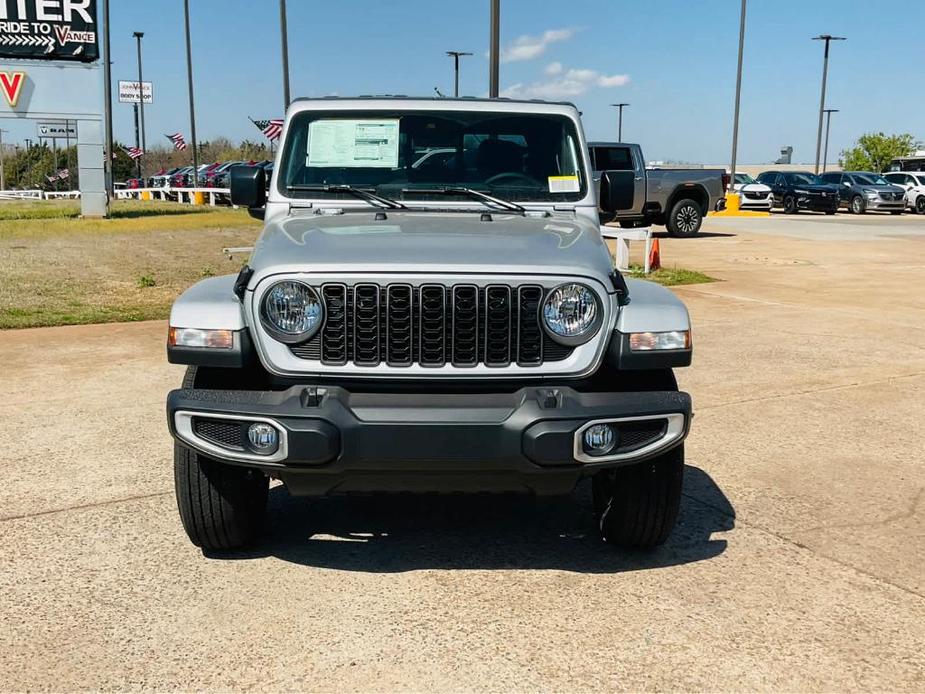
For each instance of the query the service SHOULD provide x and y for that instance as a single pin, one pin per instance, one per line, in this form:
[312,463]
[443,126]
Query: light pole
[828,38]
[828,122]
[735,118]
[284,37]
[494,53]
[107,101]
[139,35]
[2,172]
[192,108]
[620,121]
[455,55]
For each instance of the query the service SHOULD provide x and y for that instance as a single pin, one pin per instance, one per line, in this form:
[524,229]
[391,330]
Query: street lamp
[139,35]
[192,108]
[455,55]
[828,122]
[494,53]
[284,38]
[107,102]
[735,118]
[828,38]
[620,121]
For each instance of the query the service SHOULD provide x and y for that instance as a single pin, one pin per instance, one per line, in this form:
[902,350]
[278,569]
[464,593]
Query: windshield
[403,154]
[744,179]
[807,179]
[870,180]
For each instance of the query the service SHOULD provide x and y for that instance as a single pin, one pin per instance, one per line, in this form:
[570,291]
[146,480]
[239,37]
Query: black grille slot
[497,325]
[334,332]
[635,435]
[399,324]
[433,325]
[366,325]
[228,433]
[529,332]
[465,325]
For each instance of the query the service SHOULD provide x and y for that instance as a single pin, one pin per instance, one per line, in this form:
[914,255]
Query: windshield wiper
[343,188]
[472,193]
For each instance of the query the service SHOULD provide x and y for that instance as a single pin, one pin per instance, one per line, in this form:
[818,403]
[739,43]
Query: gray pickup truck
[407,323]
[677,198]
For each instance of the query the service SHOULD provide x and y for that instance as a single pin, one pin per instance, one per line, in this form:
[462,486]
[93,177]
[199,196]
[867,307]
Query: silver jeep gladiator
[429,308]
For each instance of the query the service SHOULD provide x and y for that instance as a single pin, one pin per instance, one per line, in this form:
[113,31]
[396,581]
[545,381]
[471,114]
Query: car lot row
[856,191]
[214,175]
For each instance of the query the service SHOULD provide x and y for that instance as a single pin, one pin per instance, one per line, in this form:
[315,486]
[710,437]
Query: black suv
[800,190]
[861,191]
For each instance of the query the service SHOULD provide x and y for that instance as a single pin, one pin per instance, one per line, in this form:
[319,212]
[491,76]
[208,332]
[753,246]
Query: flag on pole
[64,174]
[271,129]
[134,152]
[178,142]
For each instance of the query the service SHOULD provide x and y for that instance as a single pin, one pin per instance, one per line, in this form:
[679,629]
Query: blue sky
[672,60]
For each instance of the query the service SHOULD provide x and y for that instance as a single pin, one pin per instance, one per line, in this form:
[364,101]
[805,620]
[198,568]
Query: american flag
[63,174]
[272,129]
[134,152]
[178,141]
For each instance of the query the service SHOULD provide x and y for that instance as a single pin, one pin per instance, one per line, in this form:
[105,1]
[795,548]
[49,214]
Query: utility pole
[137,141]
[141,98]
[455,55]
[828,38]
[107,101]
[2,172]
[284,38]
[735,118]
[828,122]
[192,108]
[620,121]
[494,57]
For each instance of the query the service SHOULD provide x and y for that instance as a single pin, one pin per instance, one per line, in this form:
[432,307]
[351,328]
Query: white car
[914,184]
[752,195]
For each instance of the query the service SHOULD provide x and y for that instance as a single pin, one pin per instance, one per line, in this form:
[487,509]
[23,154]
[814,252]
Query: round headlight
[292,311]
[572,314]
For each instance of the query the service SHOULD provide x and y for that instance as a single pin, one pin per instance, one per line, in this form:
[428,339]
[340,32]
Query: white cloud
[574,82]
[529,47]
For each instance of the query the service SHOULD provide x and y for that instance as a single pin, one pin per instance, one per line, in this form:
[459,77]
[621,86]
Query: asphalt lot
[797,565]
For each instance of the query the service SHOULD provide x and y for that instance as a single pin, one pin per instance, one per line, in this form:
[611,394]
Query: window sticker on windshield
[347,143]
[563,184]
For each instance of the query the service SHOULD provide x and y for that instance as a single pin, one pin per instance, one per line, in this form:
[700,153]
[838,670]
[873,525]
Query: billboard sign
[128,92]
[60,129]
[49,30]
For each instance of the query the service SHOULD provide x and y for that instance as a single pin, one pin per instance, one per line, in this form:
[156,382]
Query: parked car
[463,331]
[913,183]
[800,190]
[677,198]
[752,195]
[860,191]
[212,175]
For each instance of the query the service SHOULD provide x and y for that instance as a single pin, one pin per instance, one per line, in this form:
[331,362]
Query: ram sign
[49,30]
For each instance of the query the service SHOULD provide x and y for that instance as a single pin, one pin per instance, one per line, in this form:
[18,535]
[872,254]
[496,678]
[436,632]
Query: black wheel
[857,205]
[685,218]
[920,204]
[221,506]
[637,506]
[790,205]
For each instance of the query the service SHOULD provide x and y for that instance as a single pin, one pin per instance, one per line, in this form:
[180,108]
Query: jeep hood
[432,242]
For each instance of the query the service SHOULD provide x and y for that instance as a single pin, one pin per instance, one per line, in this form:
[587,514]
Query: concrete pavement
[797,564]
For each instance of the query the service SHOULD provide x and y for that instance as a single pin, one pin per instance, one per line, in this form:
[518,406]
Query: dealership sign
[49,30]
[128,92]
[52,129]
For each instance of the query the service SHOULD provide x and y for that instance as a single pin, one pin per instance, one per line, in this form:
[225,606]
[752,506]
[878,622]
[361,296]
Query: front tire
[637,505]
[858,206]
[920,204]
[685,219]
[790,205]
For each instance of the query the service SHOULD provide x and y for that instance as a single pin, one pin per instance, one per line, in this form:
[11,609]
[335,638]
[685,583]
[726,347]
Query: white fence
[213,196]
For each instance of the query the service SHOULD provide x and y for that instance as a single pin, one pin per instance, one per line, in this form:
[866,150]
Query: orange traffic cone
[655,258]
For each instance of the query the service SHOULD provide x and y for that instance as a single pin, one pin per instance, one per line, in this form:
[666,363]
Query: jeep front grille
[432,325]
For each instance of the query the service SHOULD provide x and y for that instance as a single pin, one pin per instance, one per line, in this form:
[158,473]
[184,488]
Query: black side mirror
[249,189]
[617,189]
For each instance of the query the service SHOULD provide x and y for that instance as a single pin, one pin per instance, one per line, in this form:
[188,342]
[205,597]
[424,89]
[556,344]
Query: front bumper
[336,441]
[881,205]
[817,203]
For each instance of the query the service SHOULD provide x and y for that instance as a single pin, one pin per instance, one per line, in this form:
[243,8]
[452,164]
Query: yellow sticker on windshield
[563,184]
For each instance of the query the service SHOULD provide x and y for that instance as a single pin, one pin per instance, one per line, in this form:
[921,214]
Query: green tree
[874,151]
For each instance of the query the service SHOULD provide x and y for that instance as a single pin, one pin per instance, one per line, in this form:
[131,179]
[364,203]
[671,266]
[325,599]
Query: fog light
[263,438]
[599,439]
